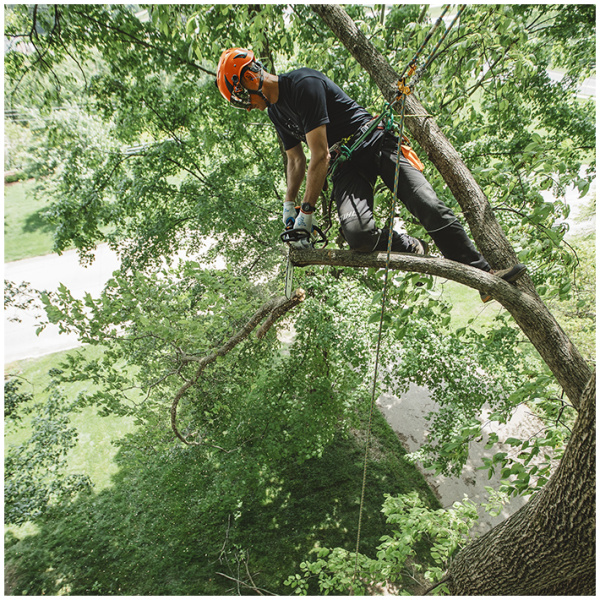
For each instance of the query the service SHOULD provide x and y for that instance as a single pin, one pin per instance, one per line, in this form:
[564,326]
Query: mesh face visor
[240,97]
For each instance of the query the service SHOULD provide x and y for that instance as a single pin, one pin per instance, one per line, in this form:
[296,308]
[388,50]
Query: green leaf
[513,441]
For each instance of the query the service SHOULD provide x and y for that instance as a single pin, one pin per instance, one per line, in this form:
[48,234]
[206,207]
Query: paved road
[47,273]
[406,415]
[587,89]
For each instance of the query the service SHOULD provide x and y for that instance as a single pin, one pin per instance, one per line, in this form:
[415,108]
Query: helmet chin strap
[259,91]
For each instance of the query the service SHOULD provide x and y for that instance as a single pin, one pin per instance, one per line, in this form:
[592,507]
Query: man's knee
[361,240]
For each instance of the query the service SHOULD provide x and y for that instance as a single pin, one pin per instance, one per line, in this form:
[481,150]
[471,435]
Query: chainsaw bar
[289,278]
[296,235]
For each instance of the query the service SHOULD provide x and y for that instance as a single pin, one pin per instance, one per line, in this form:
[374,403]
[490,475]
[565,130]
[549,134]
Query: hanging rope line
[434,52]
[379,338]
[403,92]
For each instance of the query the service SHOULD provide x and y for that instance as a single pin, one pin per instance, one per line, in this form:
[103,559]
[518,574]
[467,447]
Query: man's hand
[304,222]
[289,214]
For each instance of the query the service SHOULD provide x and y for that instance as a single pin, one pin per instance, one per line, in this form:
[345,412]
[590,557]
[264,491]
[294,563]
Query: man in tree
[306,106]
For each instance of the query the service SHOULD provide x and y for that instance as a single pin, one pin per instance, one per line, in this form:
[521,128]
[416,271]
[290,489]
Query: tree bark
[548,546]
[559,353]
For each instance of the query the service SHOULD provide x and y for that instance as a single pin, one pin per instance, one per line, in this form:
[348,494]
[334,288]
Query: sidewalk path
[406,415]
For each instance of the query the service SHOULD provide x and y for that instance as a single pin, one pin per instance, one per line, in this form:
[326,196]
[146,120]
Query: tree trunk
[548,546]
[561,356]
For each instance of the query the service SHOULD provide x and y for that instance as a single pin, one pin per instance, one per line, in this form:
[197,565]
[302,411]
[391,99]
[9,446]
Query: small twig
[239,582]
[250,576]
[226,537]
[435,585]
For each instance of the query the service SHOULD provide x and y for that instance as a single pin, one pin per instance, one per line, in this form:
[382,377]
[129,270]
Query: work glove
[289,212]
[304,221]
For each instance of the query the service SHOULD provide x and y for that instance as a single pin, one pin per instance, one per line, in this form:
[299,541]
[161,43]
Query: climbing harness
[341,151]
[403,91]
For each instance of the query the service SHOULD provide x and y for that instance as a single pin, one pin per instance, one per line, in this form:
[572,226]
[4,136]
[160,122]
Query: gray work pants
[353,183]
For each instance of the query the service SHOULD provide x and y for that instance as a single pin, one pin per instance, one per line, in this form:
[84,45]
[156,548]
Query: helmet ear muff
[249,70]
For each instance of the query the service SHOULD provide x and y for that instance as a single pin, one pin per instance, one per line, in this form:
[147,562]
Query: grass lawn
[155,525]
[467,305]
[25,233]
[95,453]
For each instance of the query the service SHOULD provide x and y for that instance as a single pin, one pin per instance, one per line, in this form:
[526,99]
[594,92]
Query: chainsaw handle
[296,235]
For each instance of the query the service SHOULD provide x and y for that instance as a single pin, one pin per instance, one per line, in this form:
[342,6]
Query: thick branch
[529,313]
[511,297]
[271,310]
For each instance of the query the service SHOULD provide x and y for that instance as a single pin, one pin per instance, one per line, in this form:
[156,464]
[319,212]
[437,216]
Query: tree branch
[271,310]
[563,514]
[143,43]
[250,587]
[505,293]
[529,313]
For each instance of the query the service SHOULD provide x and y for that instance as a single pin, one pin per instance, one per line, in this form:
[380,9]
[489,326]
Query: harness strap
[343,150]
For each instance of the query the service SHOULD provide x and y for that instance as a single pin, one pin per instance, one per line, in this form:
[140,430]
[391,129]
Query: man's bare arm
[296,169]
[318,165]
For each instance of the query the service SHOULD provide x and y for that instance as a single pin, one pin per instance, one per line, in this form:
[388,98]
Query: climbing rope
[403,91]
[380,332]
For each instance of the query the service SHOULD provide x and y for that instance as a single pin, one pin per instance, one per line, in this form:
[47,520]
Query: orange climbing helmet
[233,65]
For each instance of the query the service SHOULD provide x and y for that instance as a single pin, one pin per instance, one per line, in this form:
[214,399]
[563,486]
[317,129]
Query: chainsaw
[290,235]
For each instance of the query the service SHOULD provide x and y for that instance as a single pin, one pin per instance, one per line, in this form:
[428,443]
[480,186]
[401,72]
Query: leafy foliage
[195,168]
[14,399]
[143,154]
[164,316]
[339,571]
[35,472]
[174,518]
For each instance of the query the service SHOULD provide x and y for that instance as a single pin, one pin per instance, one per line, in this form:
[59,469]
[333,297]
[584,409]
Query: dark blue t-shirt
[309,99]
